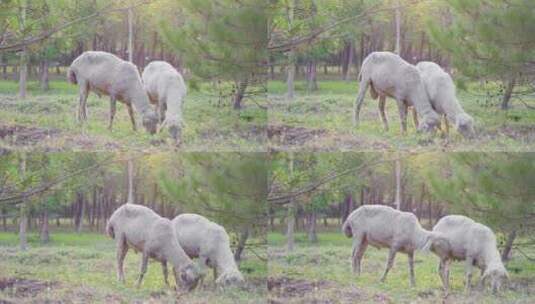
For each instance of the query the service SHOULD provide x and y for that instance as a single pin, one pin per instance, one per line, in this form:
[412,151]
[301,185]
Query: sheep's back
[390,74]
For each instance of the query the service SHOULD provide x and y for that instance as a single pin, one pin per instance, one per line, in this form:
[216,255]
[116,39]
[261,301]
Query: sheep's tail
[109,230]
[71,76]
[346,228]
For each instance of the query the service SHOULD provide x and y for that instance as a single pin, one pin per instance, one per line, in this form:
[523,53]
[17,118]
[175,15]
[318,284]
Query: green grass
[208,127]
[330,109]
[83,267]
[329,262]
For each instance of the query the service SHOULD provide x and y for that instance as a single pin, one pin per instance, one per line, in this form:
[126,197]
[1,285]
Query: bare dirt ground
[23,288]
[14,137]
[286,137]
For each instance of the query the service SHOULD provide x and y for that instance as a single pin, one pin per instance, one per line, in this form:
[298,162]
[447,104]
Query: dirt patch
[288,287]
[288,290]
[23,135]
[22,288]
[253,133]
[289,135]
[523,133]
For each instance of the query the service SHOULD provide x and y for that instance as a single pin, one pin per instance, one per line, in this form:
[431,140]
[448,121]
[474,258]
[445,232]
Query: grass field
[48,121]
[321,273]
[80,268]
[322,121]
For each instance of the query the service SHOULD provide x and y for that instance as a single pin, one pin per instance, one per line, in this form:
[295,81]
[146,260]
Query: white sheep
[441,91]
[385,227]
[105,73]
[142,229]
[473,243]
[166,89]
[202,238]
[387,74]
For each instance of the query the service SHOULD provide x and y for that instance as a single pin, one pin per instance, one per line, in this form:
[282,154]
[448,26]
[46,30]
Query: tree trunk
[23,227]
[398,28]
[23,75]
[130,34]
[130,165]
[291,76]
[398,184]
[244,235]
[508,92]
[506,253]
[80,212]
[44,75]
[23,54]
[311,76]
[23,220]
[4,219]
[312,236]
[290,245]
[241,86]
[4,67]
[45,237]
[348,61]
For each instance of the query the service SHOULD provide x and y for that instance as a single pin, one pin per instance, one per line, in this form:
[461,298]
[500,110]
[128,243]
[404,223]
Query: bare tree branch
[47,34]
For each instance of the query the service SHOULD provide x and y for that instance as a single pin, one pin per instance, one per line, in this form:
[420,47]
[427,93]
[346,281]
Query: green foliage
[222,39]
[230,188]
[495,188]
[488,39]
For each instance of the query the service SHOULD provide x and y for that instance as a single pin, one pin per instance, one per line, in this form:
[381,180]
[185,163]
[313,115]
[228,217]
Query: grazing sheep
[142,229]
[387,74]
[165,87]
[209,242]
[105,73]
[385,227]
[473,243]
[441,92]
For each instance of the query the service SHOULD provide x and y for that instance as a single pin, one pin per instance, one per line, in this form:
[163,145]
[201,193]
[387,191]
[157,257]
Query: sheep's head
[497,277]
[429,122]
[189,276]
[465,125]
[230,278]
[150,122]
[439,245]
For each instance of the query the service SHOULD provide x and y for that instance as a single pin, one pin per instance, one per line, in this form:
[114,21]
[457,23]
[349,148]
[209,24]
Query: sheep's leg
[358,102]
[411,268]
[447,125]
[113,108]
[165,273]
[468,267]
[122,249]
[402,108]
[389,263]
[359,247]
[162,108]
[215,272]
[143,268]
[131,113]
[415,118]
[442,271]
[481,283]
[82,106]
[382,102]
